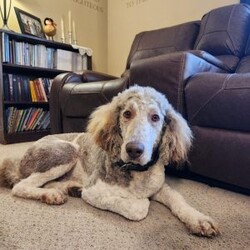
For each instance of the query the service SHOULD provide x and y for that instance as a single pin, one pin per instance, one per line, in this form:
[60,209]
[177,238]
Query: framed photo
[29,24]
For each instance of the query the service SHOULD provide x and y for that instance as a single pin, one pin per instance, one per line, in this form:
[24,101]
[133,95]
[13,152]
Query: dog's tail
[9,173]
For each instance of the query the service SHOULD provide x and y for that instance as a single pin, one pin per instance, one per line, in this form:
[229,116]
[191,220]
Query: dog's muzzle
[130,166]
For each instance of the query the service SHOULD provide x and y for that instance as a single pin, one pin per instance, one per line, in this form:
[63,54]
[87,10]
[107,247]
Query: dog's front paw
[137,209]
[204,226]
[54,197]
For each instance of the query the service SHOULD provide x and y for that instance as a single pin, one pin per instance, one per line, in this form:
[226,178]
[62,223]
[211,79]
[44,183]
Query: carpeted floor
[27,224]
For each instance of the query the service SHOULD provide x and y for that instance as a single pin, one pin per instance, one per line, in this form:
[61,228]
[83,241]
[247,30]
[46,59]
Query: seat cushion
[244,65]
[219,101]
[221,155]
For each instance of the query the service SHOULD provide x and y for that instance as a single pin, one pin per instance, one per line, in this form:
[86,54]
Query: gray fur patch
[115,176]
[44,156]
[9,173]
[97,163]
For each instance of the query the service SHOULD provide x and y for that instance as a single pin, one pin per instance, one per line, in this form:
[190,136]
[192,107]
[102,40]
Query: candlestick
[62,28]
[5,13]
[70,37]
[69,21]
[74,32]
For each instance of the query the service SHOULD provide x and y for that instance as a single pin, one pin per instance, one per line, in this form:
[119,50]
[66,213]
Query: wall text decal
[91,4]
[133,3]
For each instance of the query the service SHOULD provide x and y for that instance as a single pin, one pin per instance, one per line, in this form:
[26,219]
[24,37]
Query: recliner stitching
[211,98]
[227,30]
[202,32]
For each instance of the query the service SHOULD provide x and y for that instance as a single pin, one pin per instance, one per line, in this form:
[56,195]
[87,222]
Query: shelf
[20,69]
[36,40]
[12,47]
[26,104]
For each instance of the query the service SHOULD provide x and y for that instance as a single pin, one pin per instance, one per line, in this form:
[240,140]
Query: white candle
[69,21]
[74,30]
[62,28]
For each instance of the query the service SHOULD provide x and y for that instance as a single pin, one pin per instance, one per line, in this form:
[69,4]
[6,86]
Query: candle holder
[5,14]
[70,37]
[63,39]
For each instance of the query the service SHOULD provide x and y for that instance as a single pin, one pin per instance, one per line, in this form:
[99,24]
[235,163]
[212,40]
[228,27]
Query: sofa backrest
[224,31]
[156,42]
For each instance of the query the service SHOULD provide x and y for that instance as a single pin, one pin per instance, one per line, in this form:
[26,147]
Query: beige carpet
[31,225]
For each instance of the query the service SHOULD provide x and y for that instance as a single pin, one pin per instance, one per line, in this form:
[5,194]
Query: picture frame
[29,24]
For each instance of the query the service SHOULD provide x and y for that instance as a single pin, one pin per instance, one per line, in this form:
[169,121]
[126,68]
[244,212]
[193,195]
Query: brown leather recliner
[203,68]
[75,95]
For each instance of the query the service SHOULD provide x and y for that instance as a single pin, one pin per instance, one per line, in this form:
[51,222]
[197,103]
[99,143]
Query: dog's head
[137,123]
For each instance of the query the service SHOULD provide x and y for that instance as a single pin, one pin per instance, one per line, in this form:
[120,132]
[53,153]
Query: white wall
[126,18]
[90,17]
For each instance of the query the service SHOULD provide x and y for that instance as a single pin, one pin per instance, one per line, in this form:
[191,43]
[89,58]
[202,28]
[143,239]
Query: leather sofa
[203,68]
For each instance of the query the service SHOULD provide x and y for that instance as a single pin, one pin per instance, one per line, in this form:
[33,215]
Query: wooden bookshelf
[12,46]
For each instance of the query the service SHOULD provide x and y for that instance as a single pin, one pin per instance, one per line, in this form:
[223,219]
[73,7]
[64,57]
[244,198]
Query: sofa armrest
[94,76]
[169,74]
[215,61]
[54,100]
[71,103]
[84,77]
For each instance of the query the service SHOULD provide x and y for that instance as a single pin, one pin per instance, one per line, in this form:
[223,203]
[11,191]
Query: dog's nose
[134,149]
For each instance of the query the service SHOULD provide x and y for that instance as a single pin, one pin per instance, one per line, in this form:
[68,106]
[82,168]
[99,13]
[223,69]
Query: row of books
[30,119]
[18,88]
[38,55]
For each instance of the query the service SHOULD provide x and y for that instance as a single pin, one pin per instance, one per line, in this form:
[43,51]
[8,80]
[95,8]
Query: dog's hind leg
[30,187]
[68,187]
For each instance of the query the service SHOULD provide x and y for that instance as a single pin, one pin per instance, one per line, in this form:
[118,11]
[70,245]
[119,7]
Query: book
[19,127]
[36,119]
[12,120]
[6,88]
[32,118]
[11,91]
[32,91]
[18,119]
[63,59]
[26,119]
[42,90]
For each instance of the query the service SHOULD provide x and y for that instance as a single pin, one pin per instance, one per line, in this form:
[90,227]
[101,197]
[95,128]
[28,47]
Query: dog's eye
[127,114]
[155,118]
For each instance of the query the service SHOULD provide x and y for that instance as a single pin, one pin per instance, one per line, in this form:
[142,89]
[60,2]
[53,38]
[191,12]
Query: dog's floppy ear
[104,125]
[176,140]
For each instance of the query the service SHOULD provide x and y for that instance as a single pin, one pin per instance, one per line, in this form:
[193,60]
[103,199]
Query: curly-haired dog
[118,165]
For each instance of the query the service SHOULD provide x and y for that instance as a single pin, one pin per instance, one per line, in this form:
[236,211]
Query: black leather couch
[203,68]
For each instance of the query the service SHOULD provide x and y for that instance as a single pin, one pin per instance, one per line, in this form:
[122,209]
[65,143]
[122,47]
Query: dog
[117,165]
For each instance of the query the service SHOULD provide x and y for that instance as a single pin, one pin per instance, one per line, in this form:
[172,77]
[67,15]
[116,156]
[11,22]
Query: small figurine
[49,28]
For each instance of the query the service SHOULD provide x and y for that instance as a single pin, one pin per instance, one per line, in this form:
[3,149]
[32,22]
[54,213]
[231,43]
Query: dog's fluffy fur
[138,124]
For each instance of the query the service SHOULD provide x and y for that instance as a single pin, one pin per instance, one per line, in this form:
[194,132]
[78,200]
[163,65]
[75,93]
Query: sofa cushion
[224,30]
[219,101]
[157,42]
[225,62]
[230,61]
[244,65]
[221,155]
